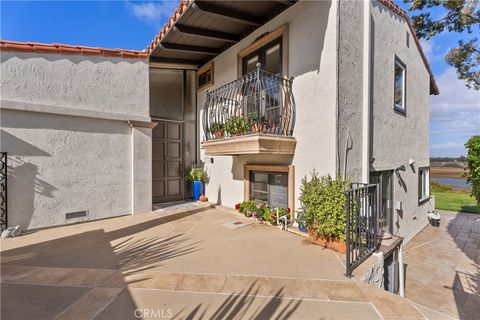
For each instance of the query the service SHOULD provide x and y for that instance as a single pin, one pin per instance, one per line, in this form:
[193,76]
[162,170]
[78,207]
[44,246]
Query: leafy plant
[472,172]
[258,124]
[462,17]
[236,125]
[196,174]
[438,187]
[215,127]
[248,208]
[323,201]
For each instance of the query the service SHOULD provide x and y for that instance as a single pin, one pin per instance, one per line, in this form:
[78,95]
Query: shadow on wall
[312,40]
[464,228]
[23,178]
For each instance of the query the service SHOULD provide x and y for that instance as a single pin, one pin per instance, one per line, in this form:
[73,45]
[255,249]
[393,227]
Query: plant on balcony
[216,129]
[236,125]
[324,213]
[258,125]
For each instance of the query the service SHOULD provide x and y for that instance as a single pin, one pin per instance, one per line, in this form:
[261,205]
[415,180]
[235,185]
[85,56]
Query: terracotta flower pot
[330,243]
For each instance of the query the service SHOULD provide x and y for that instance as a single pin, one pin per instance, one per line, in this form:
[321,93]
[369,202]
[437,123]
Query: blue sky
[454,114]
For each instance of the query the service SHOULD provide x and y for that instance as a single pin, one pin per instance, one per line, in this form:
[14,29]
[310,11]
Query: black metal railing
[362,224]
[3,191]
[259,102]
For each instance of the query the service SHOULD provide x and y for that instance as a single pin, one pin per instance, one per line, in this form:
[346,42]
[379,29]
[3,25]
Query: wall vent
[408,40]
[75,215]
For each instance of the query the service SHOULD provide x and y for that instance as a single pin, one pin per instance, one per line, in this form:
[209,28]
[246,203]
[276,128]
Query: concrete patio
[443,267]
[183,264]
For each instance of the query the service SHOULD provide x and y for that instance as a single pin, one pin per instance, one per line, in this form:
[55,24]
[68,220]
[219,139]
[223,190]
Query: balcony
[251,115]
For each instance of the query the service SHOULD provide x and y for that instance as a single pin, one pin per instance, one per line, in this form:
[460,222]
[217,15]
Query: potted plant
[216,129]
[300,220]
[236,125]
[197,176]
[257,125]
[323,200]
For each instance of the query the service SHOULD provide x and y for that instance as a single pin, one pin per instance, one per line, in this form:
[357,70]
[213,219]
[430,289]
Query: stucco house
[260,92]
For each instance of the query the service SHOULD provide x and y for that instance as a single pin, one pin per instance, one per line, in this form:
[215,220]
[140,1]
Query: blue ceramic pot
[197,190]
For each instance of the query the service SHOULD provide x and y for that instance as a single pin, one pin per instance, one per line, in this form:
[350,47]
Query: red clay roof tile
[56,48]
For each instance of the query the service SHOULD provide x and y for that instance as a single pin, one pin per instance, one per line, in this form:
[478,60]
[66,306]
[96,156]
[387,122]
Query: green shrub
[323,203]
[472,173]
[196,174]
[248,208]
[438,187]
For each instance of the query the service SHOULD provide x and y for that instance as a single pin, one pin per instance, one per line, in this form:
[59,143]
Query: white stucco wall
[397,137]
[63,124]
[312,62]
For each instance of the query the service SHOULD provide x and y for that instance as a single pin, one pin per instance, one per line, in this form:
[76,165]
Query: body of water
[457,184]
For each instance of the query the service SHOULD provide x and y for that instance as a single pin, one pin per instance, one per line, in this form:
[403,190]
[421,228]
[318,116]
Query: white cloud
[457,106]
[155,13]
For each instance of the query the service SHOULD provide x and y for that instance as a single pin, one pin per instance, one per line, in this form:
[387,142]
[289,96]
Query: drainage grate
[77,214]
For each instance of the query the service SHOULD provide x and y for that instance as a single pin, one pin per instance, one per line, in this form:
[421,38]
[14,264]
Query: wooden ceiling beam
[206,33]
[190,48]
[225,13]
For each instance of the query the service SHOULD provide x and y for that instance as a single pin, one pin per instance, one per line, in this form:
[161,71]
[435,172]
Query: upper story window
[423,184]
[269,56]
[205,76]
[399,101]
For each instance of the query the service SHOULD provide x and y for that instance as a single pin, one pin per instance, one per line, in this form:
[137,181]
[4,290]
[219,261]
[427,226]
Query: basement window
[423,184]
[400,86]
[271,187]
[270,183]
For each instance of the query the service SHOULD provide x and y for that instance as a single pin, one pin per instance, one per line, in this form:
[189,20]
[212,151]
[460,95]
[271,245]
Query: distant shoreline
[451,177]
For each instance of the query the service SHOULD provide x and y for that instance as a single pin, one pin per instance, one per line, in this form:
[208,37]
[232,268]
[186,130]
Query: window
[400,86]
[269,56]
[205,76]
[271,183]
[271,187]
[423,184]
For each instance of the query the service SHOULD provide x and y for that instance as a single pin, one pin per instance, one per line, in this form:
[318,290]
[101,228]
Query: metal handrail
[362,224]
[258,102]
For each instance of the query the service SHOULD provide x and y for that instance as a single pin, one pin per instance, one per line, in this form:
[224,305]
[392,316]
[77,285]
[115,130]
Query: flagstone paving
[182,264]
[443,266]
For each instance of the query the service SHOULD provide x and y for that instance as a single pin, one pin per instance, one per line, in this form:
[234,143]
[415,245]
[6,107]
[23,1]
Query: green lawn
[455,201]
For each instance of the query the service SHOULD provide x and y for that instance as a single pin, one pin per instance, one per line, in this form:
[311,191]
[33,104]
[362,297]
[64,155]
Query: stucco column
[141,166]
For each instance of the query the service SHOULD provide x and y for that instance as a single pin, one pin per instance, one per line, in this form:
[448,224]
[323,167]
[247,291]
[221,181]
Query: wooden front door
[167,162]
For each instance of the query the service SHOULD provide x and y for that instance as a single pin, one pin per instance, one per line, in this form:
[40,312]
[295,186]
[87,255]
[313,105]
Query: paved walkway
[196,264]
[443,267]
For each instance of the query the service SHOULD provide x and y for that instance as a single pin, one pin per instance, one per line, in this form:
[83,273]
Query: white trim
[366,91]
[68,111]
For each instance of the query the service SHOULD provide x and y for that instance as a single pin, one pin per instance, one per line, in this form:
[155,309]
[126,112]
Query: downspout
[366,91]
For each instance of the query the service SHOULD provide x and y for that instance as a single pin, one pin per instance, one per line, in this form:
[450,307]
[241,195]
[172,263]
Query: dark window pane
[273,59]
[399,86]
[166,93]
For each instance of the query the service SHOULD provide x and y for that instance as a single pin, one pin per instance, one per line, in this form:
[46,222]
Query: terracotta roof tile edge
[163,31]
[56,48]
[396,9]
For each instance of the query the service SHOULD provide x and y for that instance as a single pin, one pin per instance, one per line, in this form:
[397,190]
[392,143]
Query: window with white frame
[399,101]
[423,184]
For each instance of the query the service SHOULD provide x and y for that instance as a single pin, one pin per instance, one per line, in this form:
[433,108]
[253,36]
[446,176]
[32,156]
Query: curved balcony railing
[259,102]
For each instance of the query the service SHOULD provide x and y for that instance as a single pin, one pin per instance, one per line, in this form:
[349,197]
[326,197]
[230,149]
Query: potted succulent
[236,125]
[197,176]
[216,129]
